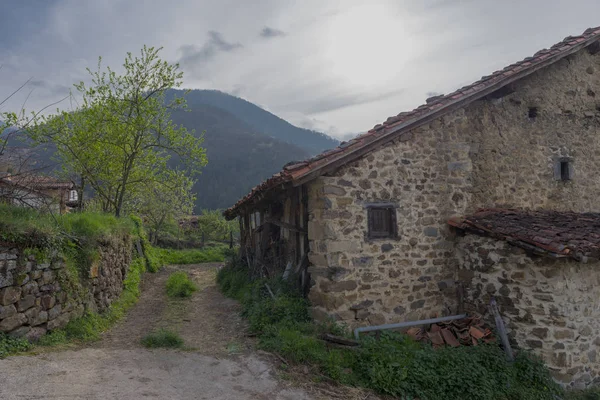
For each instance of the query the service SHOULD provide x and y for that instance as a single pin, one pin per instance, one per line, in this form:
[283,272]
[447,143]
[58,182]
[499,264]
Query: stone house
[366,229]
[40,192]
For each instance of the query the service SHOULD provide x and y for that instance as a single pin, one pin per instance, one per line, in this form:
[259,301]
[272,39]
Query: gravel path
[216,364]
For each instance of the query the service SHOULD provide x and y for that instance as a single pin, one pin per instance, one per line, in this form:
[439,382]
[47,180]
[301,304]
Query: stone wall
[39,292]
[490,153]
[550,306]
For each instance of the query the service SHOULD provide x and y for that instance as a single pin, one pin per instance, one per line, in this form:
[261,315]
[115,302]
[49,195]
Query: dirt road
[217,363]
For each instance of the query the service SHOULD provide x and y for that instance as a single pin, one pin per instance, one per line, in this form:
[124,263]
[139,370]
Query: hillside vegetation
[260,120]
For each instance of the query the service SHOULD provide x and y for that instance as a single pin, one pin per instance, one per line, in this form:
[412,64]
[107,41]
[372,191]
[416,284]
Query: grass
[32,228]
[192,256]
[180,285]
[162,338]
[10,345]
[392,364]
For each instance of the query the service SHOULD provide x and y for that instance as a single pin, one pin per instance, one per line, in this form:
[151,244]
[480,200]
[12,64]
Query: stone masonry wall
[489,154]
[549,306]
[39,295]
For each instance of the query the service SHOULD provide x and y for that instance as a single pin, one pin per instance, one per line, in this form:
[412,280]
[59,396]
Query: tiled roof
[435,107]
[559,234]
[37,182]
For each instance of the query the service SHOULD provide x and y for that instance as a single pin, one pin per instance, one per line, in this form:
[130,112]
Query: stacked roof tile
[434,107]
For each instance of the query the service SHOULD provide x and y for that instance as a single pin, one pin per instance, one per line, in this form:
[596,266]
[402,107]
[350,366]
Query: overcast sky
[335,66]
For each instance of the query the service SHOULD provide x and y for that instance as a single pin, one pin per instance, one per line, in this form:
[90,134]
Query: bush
[391,364]
[180,285]
[162,338]
[10,345]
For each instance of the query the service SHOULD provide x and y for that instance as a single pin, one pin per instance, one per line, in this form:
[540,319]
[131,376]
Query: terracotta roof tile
[408,120]
[563,234]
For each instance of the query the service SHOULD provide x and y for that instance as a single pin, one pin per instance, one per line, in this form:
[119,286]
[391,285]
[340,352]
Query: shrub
[180,285]
[162,338]
[10,345]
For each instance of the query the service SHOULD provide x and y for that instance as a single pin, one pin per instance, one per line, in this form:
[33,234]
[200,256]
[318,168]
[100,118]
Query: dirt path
[218,361]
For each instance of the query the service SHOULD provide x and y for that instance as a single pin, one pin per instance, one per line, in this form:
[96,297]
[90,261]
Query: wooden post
[501,330]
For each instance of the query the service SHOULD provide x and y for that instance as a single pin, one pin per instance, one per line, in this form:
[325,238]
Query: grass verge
[392,364]
[192,256]
[180,285]
[162,338]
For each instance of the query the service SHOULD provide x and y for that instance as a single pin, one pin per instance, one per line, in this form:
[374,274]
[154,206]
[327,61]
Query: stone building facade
[525,137]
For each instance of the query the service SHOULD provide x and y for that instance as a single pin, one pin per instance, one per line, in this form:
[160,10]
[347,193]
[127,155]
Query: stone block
[20,332]
[334,190]
[7,256]
[342,246]
[342,286]
[47,301]
[59,322]
[11,323]
[54,312]
[7,311]
[30,288]
[35,334]
[48,277]
[35,274]
[26,303]
[9,295]
[6,279]
[431,231]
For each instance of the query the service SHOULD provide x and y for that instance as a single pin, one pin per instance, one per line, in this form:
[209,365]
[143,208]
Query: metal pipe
[406,324]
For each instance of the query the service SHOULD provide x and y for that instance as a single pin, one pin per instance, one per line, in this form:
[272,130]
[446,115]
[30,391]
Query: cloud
[51,89]
[192,55]
[269,33]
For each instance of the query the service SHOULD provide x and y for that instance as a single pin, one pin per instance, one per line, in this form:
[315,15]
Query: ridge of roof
[403,122]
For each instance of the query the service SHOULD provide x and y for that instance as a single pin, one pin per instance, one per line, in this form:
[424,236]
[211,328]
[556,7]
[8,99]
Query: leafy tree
[121,136]
[164,202]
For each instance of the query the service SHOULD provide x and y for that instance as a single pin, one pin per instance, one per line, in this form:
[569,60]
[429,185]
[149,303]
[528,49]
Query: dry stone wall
[39,293]
[549,306]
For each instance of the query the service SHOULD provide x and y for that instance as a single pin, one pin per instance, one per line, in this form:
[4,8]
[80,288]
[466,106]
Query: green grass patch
[192,256]
[180,285]
[391,364]
[10,345]
[162,338]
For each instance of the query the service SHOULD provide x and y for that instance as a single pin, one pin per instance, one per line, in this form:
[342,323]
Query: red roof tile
[562,234]
[405,121]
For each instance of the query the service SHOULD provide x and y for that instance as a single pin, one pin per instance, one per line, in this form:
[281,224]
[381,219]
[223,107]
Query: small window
[563,170]
[382,221]
[533,112]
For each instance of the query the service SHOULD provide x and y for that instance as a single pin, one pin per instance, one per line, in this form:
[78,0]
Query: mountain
[240,154]
[238,157]
[259,120]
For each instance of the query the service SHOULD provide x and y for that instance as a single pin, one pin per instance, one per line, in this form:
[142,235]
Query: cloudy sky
[335,66]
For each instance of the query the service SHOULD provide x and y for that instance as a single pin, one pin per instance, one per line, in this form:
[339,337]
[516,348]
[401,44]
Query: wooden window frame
[393,231]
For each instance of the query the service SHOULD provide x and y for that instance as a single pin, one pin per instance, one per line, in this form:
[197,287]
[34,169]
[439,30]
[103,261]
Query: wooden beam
[285,225]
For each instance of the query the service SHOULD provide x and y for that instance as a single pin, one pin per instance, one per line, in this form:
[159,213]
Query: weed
[162,338]
[180,285]
[53,338]
[392,364]
[10,345]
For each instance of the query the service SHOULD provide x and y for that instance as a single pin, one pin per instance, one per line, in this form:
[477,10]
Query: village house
[40,192]
[489,191]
